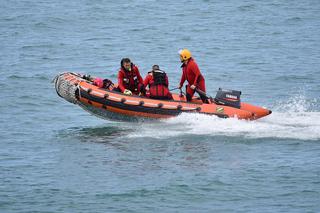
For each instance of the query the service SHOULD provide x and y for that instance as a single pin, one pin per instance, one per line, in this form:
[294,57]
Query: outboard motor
[228,98]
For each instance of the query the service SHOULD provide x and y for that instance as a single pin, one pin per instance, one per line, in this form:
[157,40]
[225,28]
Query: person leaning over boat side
[191,73]
[129,78]
[103,83]
[158,83]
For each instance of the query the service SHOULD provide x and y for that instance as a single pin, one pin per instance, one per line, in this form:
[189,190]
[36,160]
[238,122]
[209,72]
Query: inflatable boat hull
[117,106]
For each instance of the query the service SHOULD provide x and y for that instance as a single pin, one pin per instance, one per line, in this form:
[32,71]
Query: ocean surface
[56,157]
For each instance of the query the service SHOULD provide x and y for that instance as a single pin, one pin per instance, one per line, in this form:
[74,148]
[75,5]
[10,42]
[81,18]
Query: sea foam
[295,118]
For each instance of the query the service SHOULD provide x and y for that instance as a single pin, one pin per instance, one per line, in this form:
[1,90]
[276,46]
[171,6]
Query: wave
[24,77]
[295,118]
[97,134]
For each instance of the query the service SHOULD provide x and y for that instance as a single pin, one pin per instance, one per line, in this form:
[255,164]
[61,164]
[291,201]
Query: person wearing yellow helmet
[191,73]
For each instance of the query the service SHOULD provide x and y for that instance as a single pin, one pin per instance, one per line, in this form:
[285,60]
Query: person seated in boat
[129,78]
[191,73]
[157,81]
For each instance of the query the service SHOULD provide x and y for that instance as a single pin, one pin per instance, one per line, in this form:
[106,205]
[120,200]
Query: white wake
[292,119]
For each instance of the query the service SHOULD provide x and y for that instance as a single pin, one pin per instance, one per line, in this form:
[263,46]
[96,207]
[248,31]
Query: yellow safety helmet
[185,54]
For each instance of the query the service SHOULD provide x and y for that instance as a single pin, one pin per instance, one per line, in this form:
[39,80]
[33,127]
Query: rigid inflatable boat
[110,104]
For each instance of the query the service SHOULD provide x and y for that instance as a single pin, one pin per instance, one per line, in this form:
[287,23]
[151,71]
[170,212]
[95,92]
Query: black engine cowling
[228,98]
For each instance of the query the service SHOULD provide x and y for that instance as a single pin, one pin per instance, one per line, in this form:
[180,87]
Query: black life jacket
[159,78]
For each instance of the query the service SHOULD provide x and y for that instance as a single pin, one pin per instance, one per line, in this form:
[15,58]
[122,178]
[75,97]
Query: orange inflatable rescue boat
[110,104]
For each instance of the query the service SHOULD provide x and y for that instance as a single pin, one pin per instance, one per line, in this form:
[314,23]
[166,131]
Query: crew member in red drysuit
[158,83]
[129,78]
[191,73]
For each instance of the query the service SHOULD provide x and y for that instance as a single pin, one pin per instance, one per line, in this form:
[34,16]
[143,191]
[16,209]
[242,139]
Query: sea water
[55,157]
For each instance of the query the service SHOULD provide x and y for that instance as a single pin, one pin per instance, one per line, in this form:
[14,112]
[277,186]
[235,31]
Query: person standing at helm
[191,73]
[158,83]
[129,78]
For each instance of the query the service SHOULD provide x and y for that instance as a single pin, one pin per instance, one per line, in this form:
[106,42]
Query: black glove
[143,90]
